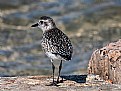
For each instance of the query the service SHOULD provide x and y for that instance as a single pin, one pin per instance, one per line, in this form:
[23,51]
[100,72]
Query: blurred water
[90,24]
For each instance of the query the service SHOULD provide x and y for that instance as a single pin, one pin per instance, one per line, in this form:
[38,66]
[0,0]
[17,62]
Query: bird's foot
[57,82]
[53,84]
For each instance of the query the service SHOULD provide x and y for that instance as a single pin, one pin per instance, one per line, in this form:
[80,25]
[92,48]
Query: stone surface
[41,83]
[106,62]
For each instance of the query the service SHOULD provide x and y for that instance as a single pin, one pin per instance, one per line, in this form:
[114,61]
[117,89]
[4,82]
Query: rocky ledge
[70,83]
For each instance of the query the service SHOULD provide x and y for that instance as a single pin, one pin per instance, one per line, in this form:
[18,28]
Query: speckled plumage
[56,42]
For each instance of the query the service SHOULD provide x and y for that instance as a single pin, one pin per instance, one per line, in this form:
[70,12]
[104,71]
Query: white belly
[52,56]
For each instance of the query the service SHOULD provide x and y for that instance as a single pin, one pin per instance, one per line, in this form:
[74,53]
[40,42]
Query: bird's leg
[60,67]
[53,83]
[53,67]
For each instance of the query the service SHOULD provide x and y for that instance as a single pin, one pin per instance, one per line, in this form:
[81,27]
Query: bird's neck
[47,28]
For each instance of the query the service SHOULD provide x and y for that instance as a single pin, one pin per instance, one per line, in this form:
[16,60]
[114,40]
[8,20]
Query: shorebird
[55,44]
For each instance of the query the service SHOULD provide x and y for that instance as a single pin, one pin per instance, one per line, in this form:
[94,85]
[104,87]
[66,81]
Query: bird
[55,43]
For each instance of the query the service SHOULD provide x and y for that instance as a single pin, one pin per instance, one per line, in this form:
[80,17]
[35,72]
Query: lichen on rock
[106,62]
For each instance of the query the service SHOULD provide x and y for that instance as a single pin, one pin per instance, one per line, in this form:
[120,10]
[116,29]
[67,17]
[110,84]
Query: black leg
[53,83]
[60,67]
[53,67]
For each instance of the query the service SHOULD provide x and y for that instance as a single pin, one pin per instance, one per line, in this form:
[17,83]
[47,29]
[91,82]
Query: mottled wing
[58,43]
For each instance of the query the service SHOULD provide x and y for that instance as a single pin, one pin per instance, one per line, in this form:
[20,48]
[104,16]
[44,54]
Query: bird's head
[45,23]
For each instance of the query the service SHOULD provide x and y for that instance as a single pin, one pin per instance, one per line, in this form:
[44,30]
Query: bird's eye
[41,22]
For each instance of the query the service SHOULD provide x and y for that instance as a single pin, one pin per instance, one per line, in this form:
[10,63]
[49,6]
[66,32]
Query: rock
[106,62]
[41,83]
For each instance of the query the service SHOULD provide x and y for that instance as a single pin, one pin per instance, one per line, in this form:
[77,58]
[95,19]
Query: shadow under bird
[55,43]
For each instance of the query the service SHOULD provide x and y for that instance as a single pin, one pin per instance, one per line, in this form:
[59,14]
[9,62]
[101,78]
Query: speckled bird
[55,44]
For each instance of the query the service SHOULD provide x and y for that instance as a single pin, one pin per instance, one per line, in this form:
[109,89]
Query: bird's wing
[61,45]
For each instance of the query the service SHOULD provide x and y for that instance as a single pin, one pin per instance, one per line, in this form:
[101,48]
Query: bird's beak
[35,25]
